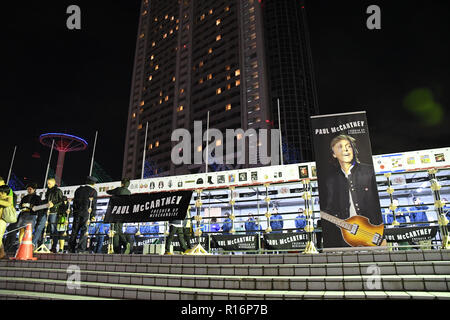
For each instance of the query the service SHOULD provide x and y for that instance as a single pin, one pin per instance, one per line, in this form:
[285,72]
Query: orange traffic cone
[25,251]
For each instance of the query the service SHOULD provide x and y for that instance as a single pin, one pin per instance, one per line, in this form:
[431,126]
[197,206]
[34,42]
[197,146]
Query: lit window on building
[228,107]
[218,22]
[152,57]
[142,35]
[209,77]
[200,81]
[229,86]
[156,67]
[150,146]
[150,78]
[228,77]
[210,50]
[211,11]
[153,43]
[165,35]
[181,91]
[142,103]
[202,17]
[237,72]
[201,64]
[218,91]
[227,68]
[173,79]
[238,82]
[180,108]
[166,16]
[157,144]
[134,114]
[166,98]
[218,37]
[140,126]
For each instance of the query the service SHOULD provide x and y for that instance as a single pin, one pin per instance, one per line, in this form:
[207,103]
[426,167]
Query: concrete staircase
[414,274]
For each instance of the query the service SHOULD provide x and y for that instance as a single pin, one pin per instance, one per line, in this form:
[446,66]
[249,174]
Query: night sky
[78,81]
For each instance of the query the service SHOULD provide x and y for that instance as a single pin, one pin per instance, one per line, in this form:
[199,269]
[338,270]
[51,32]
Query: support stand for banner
[392,206]
[198,248]
[439,204]
[268,214]
[232,216]
[310,247]
[43,248]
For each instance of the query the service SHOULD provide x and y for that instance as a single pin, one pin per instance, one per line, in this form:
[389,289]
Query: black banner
[410,233]
[346,180]
[161,206]
[235,242]
[280,241]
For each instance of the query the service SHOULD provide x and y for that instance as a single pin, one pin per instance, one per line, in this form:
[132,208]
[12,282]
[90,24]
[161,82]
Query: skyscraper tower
[195,56]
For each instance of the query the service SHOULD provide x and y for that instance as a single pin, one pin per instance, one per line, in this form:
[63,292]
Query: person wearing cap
[27,215]
[84,209]
[119,238]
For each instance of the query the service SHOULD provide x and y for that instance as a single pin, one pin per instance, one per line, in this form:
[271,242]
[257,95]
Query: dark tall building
[230,58]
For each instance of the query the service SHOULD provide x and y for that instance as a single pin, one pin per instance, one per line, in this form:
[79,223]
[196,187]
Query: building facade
[194,57]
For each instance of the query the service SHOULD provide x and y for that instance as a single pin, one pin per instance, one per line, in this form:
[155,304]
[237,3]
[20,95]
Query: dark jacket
[119,191]
[363,187]
[82,203]
[54,195]
[29,201]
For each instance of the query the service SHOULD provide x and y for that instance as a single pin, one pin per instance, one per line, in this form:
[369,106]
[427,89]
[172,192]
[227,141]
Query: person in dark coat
[54,197]
[84,209]
[26,214]
[351,189]
[119,238]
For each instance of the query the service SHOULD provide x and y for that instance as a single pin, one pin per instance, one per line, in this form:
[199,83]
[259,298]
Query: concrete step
[28,295]
[375,256]
[317,269]
[429,282]
[124,291]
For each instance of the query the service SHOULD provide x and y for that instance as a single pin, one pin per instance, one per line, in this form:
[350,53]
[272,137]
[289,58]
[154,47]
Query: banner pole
[268,214]
[198,248]
[144,152]
[279,128]
[10,167]
[207,143]
[439,204]
[310,247]
[93,153]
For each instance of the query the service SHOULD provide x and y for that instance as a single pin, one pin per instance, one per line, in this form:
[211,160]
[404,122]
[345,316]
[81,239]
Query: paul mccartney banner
[160,206]
[348,196]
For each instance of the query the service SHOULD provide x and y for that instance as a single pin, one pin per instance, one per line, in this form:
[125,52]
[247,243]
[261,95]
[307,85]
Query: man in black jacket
[84,209]
[54,197]
[119,238]
[26,214]
[351,189]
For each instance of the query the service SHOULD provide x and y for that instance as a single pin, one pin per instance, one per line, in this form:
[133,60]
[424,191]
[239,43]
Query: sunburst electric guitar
[357,231]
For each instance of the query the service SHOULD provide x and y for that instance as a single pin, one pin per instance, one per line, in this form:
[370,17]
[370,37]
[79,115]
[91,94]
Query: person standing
[84,209]
[176,227]
[62,222]
[119,238]
[300,221]
[54,197]
[27,215]
[5,201]
[227,224]
[250,225]
[11,236]
[276,222]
